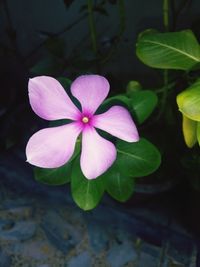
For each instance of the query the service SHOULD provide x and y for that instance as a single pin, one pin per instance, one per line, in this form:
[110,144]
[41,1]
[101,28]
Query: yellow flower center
[85,119]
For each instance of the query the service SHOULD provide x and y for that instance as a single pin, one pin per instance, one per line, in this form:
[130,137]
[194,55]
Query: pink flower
[53,147]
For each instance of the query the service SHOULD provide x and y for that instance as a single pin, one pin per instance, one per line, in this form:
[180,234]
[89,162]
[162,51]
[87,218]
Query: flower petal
[49,100]
[97,155]
[90,90]
[52,147]
[118,122]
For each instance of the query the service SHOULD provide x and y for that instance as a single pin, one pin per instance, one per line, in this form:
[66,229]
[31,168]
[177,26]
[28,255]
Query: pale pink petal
[90,90]
[49,100]
[52,147]
[118,122]
[97,155]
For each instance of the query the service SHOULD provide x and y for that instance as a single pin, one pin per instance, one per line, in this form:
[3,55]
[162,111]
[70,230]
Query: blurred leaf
[132,87]
[189,101]
[143,103]
[65,82]
[55,176]
[173,50]
[198,132]
[86,193]
[101,10]
[68,3]
[83,65]
[98,8]
[195,182]
[137,159]
[113,2]
[48,66]
[83,8]
[119,186]
[189,131]
[56,46]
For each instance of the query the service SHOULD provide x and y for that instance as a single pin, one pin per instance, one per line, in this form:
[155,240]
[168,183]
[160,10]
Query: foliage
[177,50]
[140,158]
[170,50]
[166,51]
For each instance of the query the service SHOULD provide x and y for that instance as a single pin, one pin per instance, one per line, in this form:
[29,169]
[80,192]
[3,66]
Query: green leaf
[119,186]
[198,132]
[55,176]
[59,122]
[65,82]
[189,101]
[173,50]
[48,66]
[101,10]
[189,131]
[143,104]
[117,99]
[68,3]
[137,159]
[56,46]
[132,87]
[86,193]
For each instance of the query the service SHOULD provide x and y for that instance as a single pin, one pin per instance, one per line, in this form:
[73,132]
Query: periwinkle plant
[177,55]
[53,147]
[105,164]
[111,163]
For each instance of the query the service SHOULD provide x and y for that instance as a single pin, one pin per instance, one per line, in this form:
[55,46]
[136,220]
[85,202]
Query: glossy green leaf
[189,101]
[119,186]
[172,50]
[117,99]
[55,176]
[122,100]
[143,103]
[86,193]
[189,131]
[137,159]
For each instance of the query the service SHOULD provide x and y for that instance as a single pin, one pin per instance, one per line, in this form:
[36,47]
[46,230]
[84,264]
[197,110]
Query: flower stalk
[165,72]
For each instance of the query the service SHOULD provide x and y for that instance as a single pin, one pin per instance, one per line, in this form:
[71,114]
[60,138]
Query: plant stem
[165,72]
[167,87]
[164,96]
[122,27]
[57,34]
[166,14]
[92,26]
[166,26]
[177,11]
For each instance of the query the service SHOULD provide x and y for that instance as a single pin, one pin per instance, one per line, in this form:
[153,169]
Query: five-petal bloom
[53,147]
